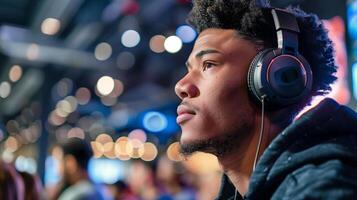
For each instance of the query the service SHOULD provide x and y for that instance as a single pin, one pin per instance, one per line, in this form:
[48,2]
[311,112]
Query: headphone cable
[259,142]
[260,134]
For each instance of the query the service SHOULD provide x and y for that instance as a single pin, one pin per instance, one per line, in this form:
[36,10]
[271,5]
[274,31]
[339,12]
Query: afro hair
[256,24]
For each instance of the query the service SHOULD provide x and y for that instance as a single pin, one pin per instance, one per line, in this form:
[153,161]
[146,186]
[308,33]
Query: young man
[249,59]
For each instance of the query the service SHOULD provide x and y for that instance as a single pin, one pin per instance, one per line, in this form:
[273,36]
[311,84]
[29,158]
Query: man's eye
[207,65]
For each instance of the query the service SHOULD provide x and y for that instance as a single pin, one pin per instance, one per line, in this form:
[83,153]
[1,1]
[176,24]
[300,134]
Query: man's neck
[238,165]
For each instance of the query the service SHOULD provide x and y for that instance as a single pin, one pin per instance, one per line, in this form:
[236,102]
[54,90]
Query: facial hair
[218,146]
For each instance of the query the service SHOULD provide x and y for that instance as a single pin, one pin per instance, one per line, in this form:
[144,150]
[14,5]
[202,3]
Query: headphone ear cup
[283,79]
[254,65]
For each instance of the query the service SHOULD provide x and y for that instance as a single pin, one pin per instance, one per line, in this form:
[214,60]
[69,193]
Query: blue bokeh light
[52,176]
[352,19]
[354,80]
[100,171]
[106,170]
[154,121]
[186,33]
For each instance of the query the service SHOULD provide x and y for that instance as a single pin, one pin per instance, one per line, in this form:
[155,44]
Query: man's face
[214,93]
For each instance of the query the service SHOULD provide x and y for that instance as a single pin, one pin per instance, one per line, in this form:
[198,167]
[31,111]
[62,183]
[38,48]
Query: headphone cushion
[252,88]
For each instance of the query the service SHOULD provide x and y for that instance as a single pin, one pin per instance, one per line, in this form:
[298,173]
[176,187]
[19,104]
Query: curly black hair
[256,24]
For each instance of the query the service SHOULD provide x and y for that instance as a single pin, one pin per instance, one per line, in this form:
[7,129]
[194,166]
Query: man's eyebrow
[204,52]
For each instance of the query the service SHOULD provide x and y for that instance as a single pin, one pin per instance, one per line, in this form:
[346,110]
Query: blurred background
[104,71]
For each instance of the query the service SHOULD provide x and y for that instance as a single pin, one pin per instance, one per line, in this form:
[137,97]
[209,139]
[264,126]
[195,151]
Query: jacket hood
[327,132]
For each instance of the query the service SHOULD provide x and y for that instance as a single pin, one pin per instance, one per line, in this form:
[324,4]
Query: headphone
[280,76]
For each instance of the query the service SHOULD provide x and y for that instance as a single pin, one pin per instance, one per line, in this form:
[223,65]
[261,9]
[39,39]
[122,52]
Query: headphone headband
[280,76]
[287,31]
[286,27]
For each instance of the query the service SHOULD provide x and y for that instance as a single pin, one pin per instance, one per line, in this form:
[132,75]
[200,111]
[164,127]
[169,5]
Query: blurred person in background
[33,186]
[11,183]
[170,181]
[73,156]
[251,70]
[141,181]
[121,191]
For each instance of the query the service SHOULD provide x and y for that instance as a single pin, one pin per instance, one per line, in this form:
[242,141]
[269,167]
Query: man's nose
[185,88]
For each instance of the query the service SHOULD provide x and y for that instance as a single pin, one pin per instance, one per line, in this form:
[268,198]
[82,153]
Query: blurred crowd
[163,179]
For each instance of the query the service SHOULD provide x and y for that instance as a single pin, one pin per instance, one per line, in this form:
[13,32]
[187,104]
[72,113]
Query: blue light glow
[354,80]
[352,19]
[154,121]
[186,33]
[106,170]
[52,176]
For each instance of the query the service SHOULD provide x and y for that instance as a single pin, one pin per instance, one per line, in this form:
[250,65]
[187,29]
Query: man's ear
[71,165]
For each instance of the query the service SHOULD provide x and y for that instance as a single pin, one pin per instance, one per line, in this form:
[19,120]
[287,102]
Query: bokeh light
[76,133]
[97,152]
[137,148]
[118,89]
[7,156]
[122,148]
[83,95]
[50,26]
[63,108]
[173,152]
[5,89]
[173,44]
[31,134]
[103,51]
[72,102]
[354,79]
[130,7]
[202,163]
[34,132]
[105,85]
[130,38]
[26,164]
[352,19]
[109,150]
[15,73]
[150,152]
[104,144]
[104,138]
[157,43]
[138,134]
[106,171]
[33,51]
[186,33]
[52,175]
[64,87]
[154,121]
[11,144]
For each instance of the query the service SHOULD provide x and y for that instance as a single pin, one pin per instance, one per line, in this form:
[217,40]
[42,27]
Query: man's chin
[192,146]
[218,146]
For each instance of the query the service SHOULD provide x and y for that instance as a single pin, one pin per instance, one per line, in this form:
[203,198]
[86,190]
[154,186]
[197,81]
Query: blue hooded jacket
[313,158]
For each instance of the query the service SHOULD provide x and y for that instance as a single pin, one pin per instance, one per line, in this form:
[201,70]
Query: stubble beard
[219,146]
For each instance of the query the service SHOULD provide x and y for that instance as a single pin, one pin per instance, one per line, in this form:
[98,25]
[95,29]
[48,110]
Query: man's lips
[184,113]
